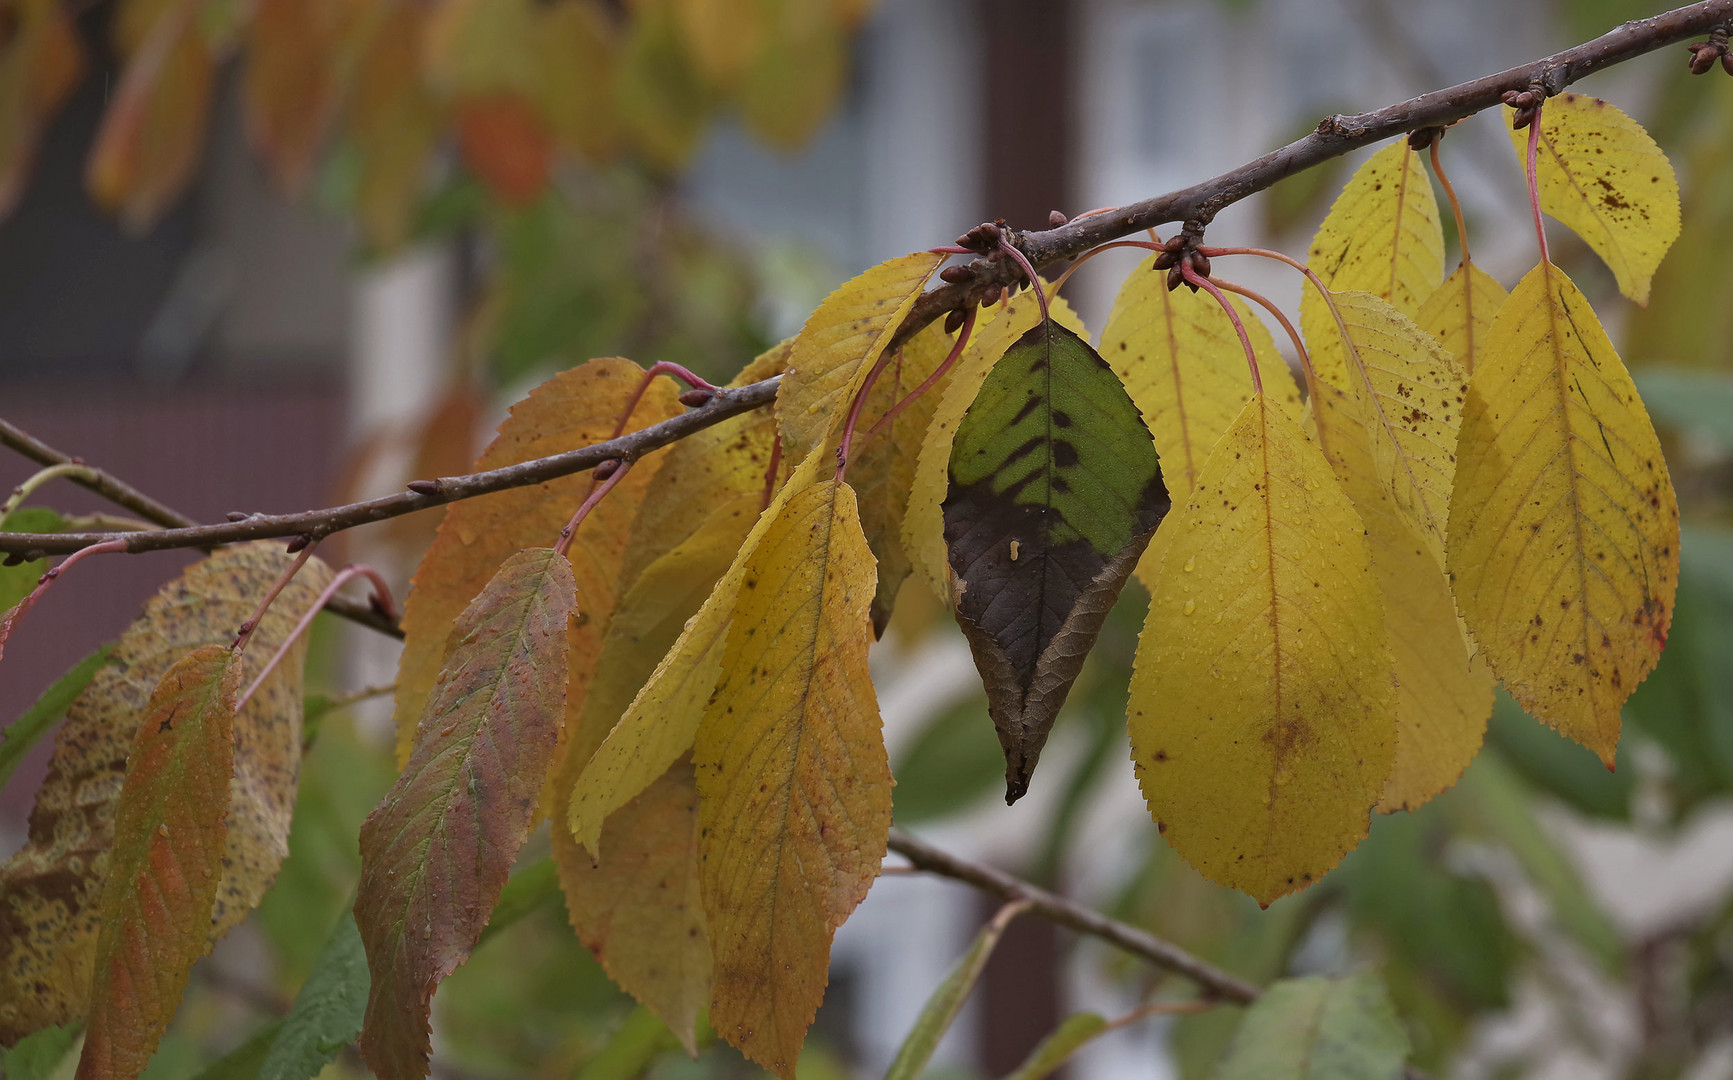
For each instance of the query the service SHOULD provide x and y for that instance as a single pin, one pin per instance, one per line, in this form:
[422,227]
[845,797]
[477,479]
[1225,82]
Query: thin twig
[69,470]
[1054,908]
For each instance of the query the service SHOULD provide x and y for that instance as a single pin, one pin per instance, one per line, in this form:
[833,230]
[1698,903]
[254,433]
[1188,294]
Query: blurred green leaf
[530,889]
[950,766]
[39,1054]
[242,1063]
[46,711]
[1697,401]
[1557,765]
[1318,1028]
[1051,1052]
[640,1040]
[946,1001]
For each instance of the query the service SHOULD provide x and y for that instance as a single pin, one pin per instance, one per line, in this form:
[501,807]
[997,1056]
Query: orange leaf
[505,141]
[169,839]
[292,83]
[51,888]
[148,146]
[40,62]
[574,408]
[435,853]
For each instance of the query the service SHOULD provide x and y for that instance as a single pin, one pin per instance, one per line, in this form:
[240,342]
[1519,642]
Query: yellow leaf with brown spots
[794,786]
[1262,712]
[1602,175]
[1564,528]
[1459,313]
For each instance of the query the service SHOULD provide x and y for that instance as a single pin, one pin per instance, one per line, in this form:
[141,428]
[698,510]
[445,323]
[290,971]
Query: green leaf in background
[1051,1052]
[947,1000]
[242,1063]
[1319,1028]
[950,766]
[640,1040]
[1559,766]
[1700,402]
[530,889]
[23,733]
[1055,490]
[327,1012]
[39,1054]
[17,581]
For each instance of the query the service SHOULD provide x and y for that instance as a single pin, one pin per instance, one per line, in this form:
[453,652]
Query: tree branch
[1214,982]
[1196,206]
[125,495]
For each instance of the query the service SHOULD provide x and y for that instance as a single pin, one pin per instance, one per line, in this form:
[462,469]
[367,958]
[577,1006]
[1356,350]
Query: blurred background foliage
[547,137]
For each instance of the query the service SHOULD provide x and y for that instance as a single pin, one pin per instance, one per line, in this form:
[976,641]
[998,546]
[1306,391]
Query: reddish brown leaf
[505,141]
[435,852]
[169,838]
[51,889]
[148,146]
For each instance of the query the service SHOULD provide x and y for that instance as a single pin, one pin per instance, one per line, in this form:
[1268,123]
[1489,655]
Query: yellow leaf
[636,904]
[576,52]
[1603,176]
[394,123]
[996,329]
[1443,692]
[1262,708]
[840,343]
[1564,529]
[1459,313]
[1182,362]
[476,46]
[294,81]
[615,765]
[794,786]
[1382,236]
[663,105]
[797,77]
[724,37]
[50,889]
[704,471]
[1411,394]
[882,467]
[574,408]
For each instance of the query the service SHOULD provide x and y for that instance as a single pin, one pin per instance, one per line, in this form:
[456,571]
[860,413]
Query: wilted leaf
[995,331]
[147,148]
[327,1013]
[50,889]
[1382,236]
[1601,174]
[1318,1028]
[1262,713]
[793,783]
[1564,529]
[1182,362]
[166,862]
[1459,313]
[23,733]
[839,344]
[574,408]
[436,852]
[1443,688]
[1055,491]
[41,60]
